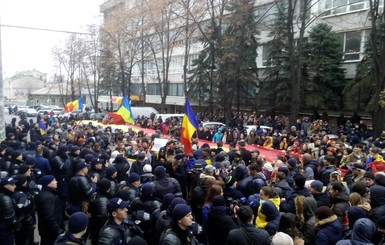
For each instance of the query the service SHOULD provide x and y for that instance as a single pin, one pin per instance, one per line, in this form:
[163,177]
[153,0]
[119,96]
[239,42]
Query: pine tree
[325,82]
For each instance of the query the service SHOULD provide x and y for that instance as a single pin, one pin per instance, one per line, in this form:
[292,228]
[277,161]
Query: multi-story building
[350,19]
[22,84]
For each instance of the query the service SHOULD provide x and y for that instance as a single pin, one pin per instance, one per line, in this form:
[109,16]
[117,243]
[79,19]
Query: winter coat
[49,212]
[355,213]
[288,206]
[362,233]
[305,211]
[330,231]
[261,221]
[237,236]
[273,216]
[219,225]
[340,205]
[322,199]
[283,189]
[377,201]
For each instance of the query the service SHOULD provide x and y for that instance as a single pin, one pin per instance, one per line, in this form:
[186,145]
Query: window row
[174,89]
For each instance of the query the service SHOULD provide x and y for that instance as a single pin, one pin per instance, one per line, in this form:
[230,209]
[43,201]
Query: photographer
[247,234]
[219,223]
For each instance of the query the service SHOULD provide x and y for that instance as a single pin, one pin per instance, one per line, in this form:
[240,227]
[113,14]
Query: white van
[165,116]
[143,111]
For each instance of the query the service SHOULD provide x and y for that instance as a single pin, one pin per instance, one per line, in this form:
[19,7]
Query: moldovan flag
[76,104]
[125,111]
[42,127]
[189,126]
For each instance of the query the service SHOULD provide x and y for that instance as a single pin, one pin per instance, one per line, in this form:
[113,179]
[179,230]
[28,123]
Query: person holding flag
[189,126]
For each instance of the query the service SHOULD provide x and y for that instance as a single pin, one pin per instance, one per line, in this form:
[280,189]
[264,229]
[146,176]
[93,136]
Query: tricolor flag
[189,126]
[42,127]
[125,111]
[76,104]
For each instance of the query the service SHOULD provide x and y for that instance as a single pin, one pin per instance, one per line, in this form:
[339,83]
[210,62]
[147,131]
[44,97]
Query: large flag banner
[189,126]
[74,105]
[125,111]
[42,127]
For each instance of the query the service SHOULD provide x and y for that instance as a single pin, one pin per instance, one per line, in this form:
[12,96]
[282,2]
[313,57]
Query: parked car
[265,129]
[30,112]
[214,125]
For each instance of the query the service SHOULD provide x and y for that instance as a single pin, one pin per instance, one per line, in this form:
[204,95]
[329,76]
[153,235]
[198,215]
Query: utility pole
[2,126]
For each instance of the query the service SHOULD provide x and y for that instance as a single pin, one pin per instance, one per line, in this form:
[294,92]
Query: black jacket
[80,189]
[8,218]
[219,225]
[114,234]
[322,199]
[259,236]
[68,239]
[288,205]
[48,209]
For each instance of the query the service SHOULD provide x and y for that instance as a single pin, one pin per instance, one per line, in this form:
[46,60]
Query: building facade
[349,18]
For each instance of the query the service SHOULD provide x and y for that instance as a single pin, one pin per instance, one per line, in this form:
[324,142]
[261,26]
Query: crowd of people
[110,187]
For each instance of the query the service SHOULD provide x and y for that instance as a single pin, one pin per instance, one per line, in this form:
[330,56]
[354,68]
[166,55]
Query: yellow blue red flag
[189,126]
[125,111]
[74,105]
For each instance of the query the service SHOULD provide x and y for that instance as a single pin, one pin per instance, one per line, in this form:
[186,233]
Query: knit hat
[160,172]
[21,179]
[281,238]
[220,158]
[369,175]
[219,200]
[209,169]
[176,201]
[317,185]
[15,154]
[104,184]
[180,211]
[110,171]
[133,177]
[24,168]
[30,161]
[74,148]
[299,180]
[80,165]
[46,180]
[148,189]
[137,240]
[292,162]
[89,158]
[167,199]
[323,212]
[230,181]
[147,168]
[77,222]
[283,170]
[120,159]
[381,222]
[116,203]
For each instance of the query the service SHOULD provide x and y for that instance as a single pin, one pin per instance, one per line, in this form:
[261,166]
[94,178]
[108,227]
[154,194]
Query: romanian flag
[125,111]
[189,126]
[76,104]
[42,127]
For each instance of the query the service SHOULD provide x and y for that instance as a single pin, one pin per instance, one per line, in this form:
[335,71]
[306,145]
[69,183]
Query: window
[176,89]
[136,88]
[351,45]
[176,65]
[153,89]
[342,6]
[266,51]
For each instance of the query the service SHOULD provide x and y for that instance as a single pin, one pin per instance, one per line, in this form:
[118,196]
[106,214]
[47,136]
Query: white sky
[25,49]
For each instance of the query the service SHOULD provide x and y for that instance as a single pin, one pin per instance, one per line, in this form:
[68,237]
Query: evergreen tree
[238,63]
[323,88]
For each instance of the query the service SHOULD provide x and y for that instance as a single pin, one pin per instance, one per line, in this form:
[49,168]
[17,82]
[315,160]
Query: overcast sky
[25,49]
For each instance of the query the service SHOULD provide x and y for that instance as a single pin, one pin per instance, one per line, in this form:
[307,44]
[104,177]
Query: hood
[363,230]
[377,197]
[240,172]
[198,154]
[283,185]
[341,197]
[305,208]
[217,211]
[332,221]
[269,210]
